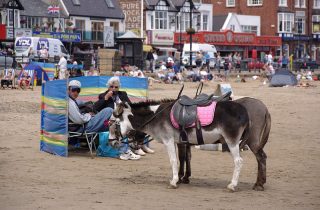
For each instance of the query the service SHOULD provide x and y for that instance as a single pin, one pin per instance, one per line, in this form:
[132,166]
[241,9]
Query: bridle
[131,134]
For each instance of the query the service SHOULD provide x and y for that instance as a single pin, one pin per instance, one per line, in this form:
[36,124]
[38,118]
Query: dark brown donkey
[256,138]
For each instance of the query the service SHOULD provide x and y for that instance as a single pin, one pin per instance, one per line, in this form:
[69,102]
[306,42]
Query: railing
[95,35]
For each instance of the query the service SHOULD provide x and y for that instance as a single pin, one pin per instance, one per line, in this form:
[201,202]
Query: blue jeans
[97,123]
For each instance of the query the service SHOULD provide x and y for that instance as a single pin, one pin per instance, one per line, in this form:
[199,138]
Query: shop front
[162,41]
[229,42]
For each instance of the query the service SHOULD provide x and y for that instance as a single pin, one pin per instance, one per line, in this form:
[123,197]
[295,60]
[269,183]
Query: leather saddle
[185,108]
[185,113]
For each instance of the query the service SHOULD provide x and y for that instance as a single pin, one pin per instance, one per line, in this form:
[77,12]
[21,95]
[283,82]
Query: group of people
[104,107]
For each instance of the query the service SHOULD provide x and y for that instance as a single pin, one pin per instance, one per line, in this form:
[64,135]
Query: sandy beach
[30,179]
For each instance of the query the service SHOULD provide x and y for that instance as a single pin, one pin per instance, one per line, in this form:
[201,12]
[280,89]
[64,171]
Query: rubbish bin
[244,65]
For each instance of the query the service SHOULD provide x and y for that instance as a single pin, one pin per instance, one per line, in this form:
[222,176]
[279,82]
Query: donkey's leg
[185,179]
[234,151]
[169,144]
[182,159]
[262,171]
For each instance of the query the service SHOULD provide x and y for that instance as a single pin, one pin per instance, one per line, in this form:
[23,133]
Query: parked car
[5,61]
[305,64]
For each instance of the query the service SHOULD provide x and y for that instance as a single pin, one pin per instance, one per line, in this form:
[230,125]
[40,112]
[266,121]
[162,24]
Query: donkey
[229,124]
[258,134]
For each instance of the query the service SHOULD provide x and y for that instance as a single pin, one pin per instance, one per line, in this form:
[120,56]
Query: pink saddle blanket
[205,115]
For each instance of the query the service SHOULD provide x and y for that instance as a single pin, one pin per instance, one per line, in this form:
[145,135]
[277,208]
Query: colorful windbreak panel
[54,115]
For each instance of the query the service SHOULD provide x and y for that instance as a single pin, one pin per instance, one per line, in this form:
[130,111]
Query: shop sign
[162,38]
[108,36]
[229,38]
[20,32]
[64,37]
[132,11]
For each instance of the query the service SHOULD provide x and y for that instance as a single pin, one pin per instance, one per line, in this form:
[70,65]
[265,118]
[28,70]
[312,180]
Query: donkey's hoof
[185,181]
[231,188]
[172,186]
[258,187]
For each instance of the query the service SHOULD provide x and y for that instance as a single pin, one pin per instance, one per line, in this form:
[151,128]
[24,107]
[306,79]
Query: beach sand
[30,179]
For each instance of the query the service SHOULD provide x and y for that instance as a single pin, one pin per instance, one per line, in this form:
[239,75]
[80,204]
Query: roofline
[64,7]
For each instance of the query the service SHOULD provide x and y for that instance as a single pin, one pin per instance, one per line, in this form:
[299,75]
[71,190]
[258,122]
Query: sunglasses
[75,89]
[113,86]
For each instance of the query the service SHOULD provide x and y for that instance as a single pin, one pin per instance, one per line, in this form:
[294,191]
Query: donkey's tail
[266,130]
[245,136]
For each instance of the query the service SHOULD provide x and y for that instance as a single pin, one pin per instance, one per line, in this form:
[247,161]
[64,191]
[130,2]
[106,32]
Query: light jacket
[74,113]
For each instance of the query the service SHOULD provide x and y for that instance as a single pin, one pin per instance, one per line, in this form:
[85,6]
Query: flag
[53,9]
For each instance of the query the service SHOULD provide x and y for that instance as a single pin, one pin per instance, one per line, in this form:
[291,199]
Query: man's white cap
[75,83]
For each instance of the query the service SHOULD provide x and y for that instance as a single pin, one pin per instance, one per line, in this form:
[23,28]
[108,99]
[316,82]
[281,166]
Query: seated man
[25,80]
[93,123]
[7,78]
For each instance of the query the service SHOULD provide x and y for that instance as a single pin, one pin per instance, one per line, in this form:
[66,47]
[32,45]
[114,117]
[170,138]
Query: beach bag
[104,150]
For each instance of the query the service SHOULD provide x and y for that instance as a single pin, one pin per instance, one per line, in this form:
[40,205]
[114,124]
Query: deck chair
[8,78]
[31,74]
[78,131]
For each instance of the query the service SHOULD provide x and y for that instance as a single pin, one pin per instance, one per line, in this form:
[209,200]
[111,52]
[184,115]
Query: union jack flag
[53,9]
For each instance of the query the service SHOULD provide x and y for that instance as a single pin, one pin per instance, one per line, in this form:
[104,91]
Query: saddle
[184,112]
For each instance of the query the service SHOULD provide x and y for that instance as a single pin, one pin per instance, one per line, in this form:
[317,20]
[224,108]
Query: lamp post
[12,4]
[190,32]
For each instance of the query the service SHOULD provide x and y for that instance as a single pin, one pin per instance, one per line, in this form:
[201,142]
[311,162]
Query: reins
[156,114]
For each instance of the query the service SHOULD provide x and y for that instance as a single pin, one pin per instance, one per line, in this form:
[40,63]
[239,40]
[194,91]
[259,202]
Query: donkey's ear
[118,110]
[127,105]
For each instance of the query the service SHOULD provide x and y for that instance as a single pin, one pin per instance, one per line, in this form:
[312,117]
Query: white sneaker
[133,156]
[147,149]
[140,152]
[129,155]
[124,156]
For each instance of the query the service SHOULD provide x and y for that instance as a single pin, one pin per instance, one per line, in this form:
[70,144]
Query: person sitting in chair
[109,99]
[93,123]
[7,79]
[24,81]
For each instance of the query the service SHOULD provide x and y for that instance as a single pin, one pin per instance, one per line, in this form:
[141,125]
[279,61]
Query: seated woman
[24,81]
[109,99]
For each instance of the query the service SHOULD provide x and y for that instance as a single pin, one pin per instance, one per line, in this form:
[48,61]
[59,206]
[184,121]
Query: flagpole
[141,27]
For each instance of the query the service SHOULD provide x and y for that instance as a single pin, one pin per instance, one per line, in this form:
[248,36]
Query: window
[249,29]
[205,22]
[76,2]
[115,26]
[152,23]
[80,27]
[185,21]
[283,3]
[198,22]
[97,31]
[109,3]
[231,3]
[161,19]
[316,4]
[63,49]
[299,26]
[285,22]
[315,23]
[255,2]
[232,27]
[11,16]
[300,3]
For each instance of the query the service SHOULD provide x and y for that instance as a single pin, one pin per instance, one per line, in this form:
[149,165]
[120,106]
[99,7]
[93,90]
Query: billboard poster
[132,11]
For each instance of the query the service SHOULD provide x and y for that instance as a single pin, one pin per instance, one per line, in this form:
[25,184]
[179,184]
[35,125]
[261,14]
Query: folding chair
[89,136]
[31,74]
[8,79]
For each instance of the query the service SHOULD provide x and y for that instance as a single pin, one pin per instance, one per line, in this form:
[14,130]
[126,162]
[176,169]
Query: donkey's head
[120,126]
